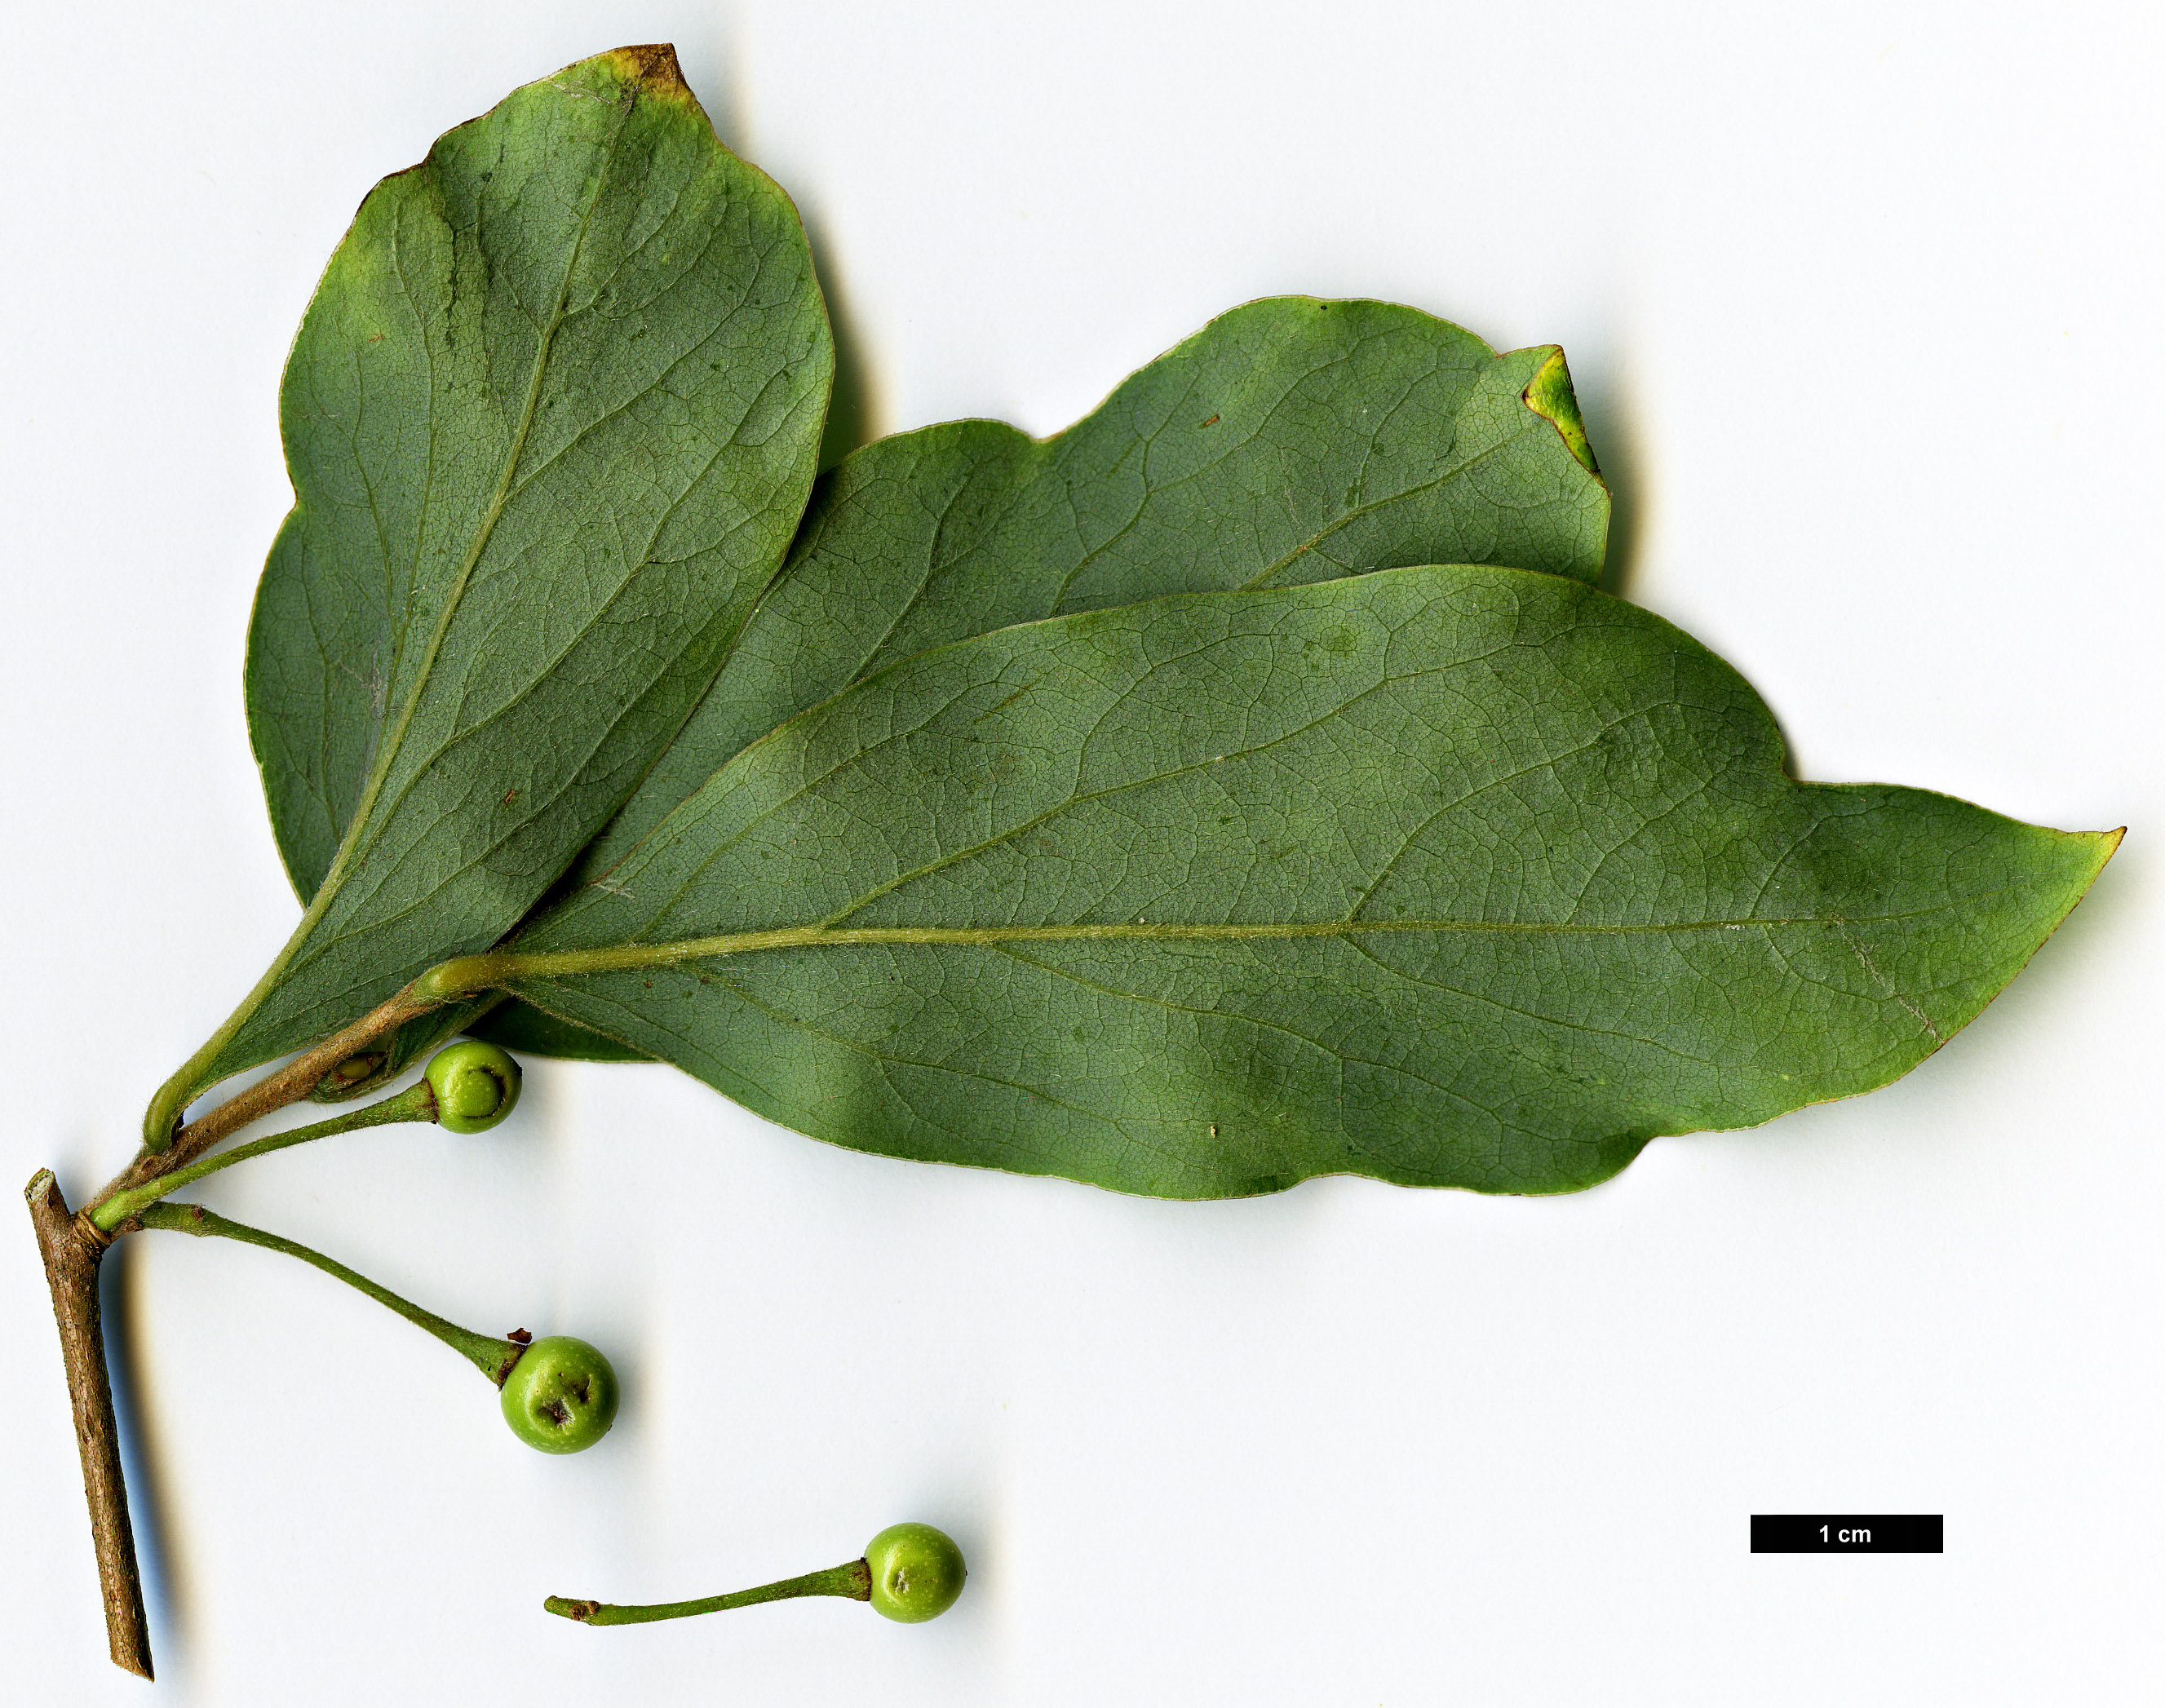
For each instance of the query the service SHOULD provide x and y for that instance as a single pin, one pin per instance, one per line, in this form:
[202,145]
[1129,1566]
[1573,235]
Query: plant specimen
[1247,783]
[909,1572]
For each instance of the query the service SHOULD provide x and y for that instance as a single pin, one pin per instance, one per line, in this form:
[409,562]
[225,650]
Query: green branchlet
[468,1088]
[493,1357]
[416,1103]
[560,1394]
[909,1572]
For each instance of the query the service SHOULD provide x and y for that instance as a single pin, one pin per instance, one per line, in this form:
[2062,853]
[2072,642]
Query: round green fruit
[560,1396]
[476,1085]
[916,1571]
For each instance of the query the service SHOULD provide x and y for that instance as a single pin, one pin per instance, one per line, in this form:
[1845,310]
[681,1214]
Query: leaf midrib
[513,965]
[361,835]
[387,755]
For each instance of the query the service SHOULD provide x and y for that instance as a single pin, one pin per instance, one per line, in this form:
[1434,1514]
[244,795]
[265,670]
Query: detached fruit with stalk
[1247,783]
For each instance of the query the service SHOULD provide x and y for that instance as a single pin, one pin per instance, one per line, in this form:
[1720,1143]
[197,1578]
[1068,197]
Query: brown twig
[73,1247]
[72,1252]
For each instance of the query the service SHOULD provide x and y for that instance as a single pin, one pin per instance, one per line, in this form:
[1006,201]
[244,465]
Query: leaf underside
[1143,805]
[551,419]
[1450,876]
[1291,440]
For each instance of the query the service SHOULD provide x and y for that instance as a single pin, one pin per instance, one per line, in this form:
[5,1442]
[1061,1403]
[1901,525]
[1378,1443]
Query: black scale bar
[1848,1533]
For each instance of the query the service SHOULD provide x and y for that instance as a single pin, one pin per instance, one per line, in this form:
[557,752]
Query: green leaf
[1461,876]
[1291,440]
[521,1027]
[551,420]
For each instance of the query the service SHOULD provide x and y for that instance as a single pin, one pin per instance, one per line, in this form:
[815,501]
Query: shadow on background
[1612,429]
[853,413]
[715,65]
[145,1460]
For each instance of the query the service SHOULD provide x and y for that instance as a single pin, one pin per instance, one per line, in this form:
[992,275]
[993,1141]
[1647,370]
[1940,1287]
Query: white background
[1863,306]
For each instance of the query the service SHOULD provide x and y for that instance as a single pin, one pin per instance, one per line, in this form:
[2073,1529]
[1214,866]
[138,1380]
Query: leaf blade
[1202,896]
[551,418]
[1292,440]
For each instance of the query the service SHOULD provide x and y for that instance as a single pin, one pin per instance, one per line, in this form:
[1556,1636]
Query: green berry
[916,1571]
[475,1085]
[560,1396]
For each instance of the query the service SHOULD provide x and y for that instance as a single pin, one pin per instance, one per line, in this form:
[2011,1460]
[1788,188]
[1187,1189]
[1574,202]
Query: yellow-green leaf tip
[1548,395]
[653,68]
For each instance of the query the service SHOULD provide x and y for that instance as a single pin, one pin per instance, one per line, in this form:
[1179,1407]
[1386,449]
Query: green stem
[491,1357]
[853,1581]
[416,1103]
